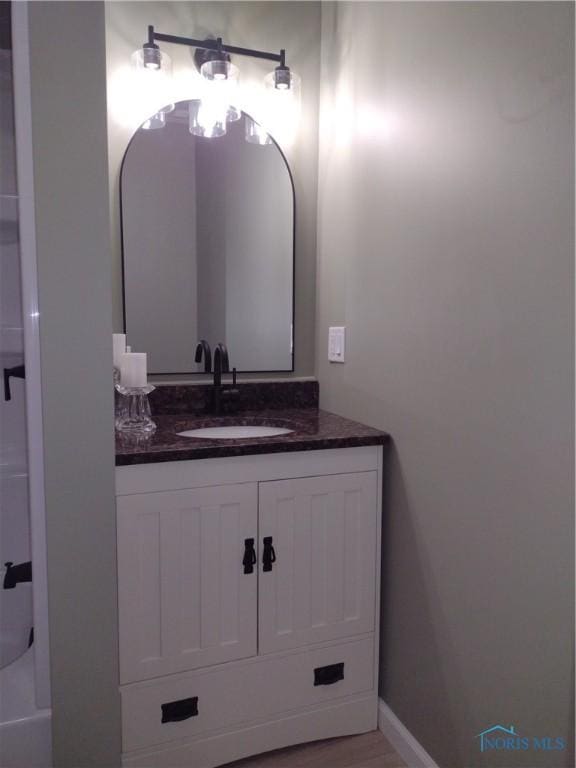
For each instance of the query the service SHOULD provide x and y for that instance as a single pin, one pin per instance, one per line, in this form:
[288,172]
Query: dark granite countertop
[313,430]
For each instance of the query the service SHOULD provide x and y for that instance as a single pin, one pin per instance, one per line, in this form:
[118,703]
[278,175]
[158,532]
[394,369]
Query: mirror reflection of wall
[208,247]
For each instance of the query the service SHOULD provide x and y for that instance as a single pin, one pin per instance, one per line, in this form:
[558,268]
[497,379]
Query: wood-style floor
[370,750]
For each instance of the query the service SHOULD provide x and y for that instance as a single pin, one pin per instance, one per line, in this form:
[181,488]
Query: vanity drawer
[194,703]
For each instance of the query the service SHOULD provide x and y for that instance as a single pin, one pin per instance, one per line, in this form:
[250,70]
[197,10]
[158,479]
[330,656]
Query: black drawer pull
[268,555]
[249,556]
[329,675]
[175,711]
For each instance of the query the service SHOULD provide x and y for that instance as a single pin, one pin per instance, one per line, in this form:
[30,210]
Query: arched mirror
[207,245]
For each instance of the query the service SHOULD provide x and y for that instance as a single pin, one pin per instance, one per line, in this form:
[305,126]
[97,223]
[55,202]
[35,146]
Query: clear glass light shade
[281,107]
[152,60]
[220,84]
[271,83]
[254,133]
[207,118]
[153,84]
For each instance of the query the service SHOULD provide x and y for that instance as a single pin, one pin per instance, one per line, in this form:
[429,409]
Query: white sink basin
[240,432]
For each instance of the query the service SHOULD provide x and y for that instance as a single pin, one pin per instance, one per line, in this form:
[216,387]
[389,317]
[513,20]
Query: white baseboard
[409,749]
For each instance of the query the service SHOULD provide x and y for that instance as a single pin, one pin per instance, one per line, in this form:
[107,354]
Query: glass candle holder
[120,402]
[134,413]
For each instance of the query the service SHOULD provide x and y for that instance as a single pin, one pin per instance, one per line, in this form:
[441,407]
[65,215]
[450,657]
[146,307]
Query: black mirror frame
[124,329]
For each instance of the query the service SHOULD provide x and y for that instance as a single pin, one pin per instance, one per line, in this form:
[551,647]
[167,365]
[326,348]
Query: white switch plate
[337,344]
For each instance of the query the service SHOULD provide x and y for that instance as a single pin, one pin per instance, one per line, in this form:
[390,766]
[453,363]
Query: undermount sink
[235,432]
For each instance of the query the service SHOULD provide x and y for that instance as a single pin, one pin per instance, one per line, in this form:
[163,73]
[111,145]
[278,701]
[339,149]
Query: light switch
[336,344]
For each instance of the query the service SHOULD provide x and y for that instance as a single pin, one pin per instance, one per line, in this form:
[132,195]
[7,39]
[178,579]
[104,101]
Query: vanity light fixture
[150,60]
[218,102]
[154,68]
[282,101]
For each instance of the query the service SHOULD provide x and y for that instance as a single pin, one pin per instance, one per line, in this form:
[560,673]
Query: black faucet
[224,398]
[221,365]
[203,349]
[17,574]
[224,355]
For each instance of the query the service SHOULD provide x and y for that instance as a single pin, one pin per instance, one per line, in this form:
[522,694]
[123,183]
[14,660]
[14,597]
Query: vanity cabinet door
[187,584]
[317,559]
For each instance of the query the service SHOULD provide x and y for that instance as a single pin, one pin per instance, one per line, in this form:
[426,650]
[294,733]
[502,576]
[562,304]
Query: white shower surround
[15,604]
[25,732]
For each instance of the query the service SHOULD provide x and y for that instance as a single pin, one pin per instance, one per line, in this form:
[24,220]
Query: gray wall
[294,26]
[445,247]
[68,71]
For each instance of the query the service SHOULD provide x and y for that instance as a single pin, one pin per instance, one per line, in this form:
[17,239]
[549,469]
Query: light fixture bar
[215,45]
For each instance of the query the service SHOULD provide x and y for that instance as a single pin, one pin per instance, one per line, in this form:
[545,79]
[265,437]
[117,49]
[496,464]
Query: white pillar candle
[118,347]
[133,369]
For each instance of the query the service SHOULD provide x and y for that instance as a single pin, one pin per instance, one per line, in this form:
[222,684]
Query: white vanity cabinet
[323,582]
[248,603]
[183,597]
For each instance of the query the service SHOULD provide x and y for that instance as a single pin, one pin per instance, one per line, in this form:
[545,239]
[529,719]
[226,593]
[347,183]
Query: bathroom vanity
[248,578]
[248,567]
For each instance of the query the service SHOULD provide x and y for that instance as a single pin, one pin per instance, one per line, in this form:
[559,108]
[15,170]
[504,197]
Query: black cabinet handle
[329,675]
[268,555]
[176,711]
[249,556]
